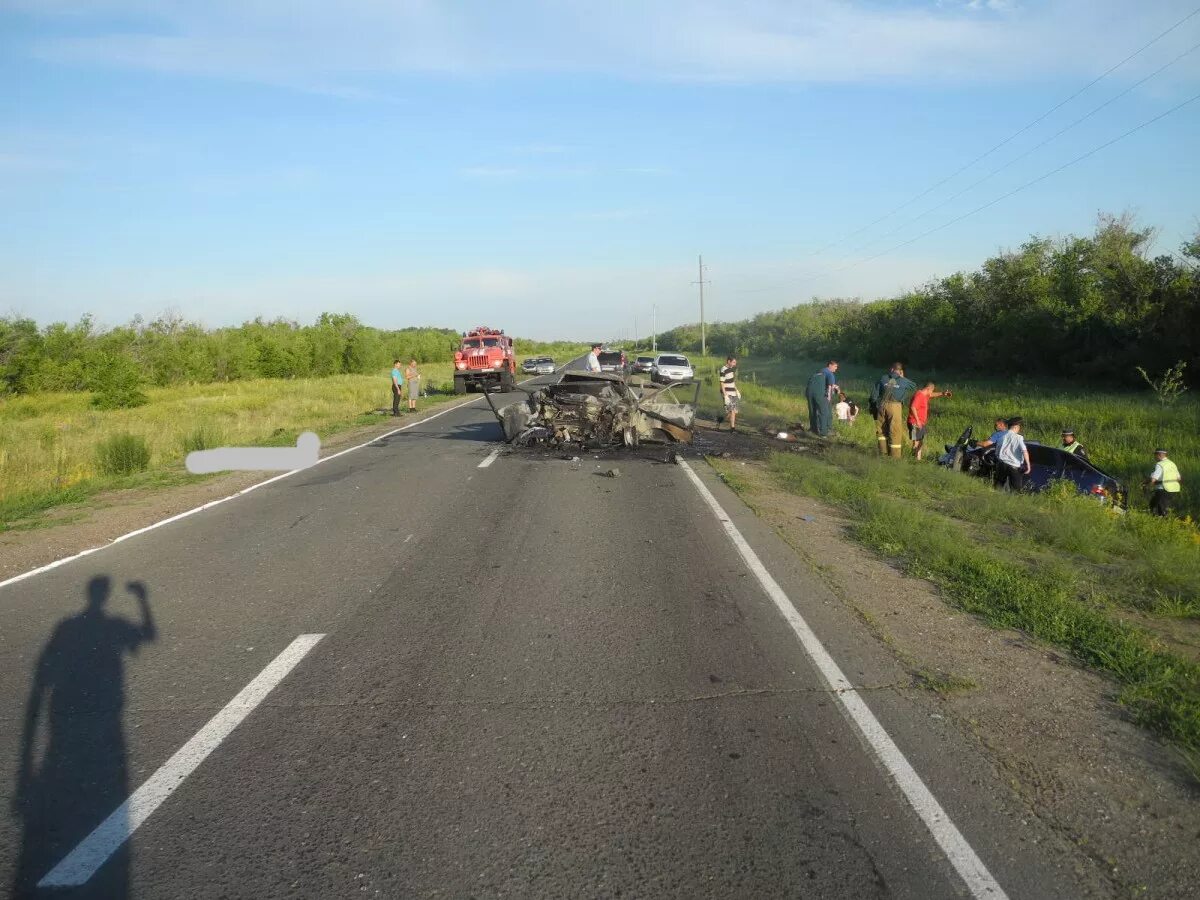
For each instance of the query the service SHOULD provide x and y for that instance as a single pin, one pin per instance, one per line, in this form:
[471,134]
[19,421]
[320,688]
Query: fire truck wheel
[506,383]
[460,385]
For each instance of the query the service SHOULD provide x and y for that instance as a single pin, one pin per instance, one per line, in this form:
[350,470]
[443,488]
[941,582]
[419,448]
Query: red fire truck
[485,359]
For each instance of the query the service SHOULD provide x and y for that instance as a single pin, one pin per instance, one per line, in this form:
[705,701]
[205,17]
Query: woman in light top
[412,375]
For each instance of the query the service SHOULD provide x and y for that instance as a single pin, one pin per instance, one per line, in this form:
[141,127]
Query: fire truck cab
[485,359]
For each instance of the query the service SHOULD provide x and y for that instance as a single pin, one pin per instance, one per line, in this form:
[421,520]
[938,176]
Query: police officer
[1166,482]
[887,400]
[821,388]
[1072,446]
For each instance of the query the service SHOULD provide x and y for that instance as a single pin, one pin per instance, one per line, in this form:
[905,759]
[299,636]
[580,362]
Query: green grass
[1119,429]
[50,444]
[1121,593]
[1009,580]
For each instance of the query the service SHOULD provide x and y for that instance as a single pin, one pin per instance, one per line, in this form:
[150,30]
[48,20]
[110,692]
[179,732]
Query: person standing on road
[1072,446]
[918,415]
[592,363]
[887,401]
[397,387]
[820,391]
[727,376]
[1012,457]
[413,376]
[1166,482]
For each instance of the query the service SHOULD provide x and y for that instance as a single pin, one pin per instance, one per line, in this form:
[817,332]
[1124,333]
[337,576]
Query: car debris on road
[597,409]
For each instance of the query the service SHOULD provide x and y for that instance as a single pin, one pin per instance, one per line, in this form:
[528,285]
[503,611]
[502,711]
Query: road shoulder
[1051,729]
[73,529]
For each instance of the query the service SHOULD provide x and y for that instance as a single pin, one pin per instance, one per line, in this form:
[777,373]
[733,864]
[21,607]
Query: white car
[670,367]
[538,365]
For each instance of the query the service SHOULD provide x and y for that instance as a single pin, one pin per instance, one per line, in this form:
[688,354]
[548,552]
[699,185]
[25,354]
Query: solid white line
[81,863]
[210,504]
[491,458]
[978,879]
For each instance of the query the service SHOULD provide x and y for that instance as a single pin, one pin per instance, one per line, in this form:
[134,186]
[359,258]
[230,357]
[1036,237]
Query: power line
[1011,137]
[1028,152]
[1000,198]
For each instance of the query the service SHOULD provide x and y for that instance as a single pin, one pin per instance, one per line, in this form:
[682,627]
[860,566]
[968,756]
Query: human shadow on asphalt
[82,776]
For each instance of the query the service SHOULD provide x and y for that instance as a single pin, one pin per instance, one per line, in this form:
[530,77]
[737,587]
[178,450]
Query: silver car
[670,367]
[643,365]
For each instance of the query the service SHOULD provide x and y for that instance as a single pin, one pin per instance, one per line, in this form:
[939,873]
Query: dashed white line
[491,458]
[82,863]
[254,487]
[966,862]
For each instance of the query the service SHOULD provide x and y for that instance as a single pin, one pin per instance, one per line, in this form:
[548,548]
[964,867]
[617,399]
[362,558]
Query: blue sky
[555,167]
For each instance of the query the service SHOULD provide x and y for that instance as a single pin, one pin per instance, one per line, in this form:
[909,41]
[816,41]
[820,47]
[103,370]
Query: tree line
[170,350]
[1092,307]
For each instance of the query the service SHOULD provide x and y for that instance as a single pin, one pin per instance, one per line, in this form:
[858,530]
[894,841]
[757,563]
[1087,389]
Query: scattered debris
[612,473]
[593,410]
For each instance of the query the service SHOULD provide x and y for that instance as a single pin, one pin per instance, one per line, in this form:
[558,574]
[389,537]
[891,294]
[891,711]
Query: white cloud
[335,47]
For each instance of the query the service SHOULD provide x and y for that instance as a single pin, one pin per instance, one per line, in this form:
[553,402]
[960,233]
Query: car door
[1046,464]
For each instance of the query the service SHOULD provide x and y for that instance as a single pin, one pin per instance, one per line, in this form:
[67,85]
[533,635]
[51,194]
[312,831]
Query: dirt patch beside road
[1051,728]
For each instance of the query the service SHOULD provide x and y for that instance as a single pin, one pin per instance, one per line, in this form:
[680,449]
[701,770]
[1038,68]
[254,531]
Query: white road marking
[966,862]
[409,538]
[491,458]
[254,487]
[82,863]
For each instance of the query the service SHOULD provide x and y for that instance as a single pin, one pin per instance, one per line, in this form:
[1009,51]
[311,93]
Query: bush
[118,384]
[123,454]
[202,437]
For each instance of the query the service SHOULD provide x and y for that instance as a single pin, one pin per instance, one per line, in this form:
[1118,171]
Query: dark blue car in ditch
[1047,465]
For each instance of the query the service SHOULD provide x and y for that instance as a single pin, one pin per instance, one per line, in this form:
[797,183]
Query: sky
[556,167]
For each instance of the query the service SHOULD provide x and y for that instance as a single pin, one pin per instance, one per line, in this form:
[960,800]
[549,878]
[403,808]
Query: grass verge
[50,444]
[1005,575]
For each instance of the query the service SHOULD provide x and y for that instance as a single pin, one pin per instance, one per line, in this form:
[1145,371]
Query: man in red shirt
[918,415]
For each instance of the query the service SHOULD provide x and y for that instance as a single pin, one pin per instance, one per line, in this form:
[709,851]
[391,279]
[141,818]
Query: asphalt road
[534,681]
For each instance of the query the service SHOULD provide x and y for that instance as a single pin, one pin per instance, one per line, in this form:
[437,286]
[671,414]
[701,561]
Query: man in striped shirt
[729,391]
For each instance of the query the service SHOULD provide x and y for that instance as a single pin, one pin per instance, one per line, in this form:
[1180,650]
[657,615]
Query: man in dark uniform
[821,388]
[888,397]
[1072,446]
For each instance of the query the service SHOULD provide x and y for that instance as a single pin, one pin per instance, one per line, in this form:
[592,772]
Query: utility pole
[702,282]
[654,328]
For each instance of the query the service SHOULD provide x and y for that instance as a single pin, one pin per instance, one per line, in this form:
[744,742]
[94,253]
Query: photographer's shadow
[76,702]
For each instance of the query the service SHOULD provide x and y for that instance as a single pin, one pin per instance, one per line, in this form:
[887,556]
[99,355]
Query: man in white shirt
[592,363]
[729,390]
[1012,457]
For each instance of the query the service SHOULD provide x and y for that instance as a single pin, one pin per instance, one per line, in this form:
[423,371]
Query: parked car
[613,361]
[1047,465]
[538,365]
[670,367]
[642,365]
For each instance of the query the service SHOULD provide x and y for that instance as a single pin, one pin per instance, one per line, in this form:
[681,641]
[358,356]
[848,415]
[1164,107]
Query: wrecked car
[1047,465]
[598,409]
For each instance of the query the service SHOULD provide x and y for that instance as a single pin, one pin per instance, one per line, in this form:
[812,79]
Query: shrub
[122,454]
[118,384]
[202,437]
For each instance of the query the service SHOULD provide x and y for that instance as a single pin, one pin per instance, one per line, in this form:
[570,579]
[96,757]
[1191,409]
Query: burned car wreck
[592,410]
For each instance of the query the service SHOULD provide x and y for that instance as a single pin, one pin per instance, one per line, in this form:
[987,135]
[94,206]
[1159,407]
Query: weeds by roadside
[57,449]
[995,568]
